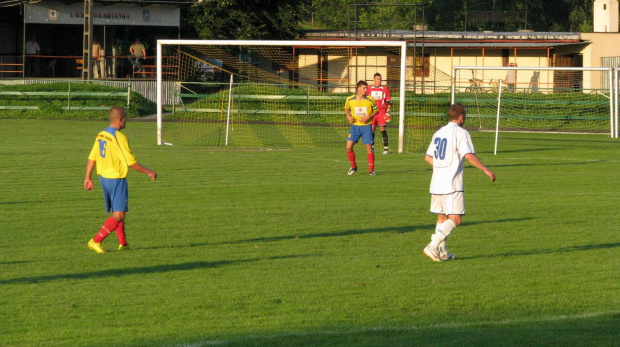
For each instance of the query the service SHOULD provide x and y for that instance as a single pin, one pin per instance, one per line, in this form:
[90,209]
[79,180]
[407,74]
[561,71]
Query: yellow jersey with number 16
[111,154]
[361,108]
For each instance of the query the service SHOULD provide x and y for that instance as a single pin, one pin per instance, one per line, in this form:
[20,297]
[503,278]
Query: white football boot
[443,251]
[432,252]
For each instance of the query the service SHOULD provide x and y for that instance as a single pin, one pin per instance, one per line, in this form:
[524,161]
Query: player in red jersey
[381,94]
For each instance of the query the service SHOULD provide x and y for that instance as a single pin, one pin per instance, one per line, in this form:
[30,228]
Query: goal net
[268,94]
[569,100]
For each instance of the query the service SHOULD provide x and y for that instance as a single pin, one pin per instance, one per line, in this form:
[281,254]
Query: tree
[340,15]
[542,15]
[581,18]
[332,14]
[446,14]
[247,19]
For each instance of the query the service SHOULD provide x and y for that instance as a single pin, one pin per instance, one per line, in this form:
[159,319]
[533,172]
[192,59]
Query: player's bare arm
[347,112]
[428,159]
[473,160]
[138,167]
[88,183]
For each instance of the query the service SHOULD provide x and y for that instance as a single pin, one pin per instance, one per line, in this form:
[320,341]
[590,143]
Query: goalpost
[537,99]
[264,85]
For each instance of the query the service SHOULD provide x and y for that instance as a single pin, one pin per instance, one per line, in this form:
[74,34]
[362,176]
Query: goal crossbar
[403,60]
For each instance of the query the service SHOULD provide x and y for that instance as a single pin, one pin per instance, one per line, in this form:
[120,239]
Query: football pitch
[249,247]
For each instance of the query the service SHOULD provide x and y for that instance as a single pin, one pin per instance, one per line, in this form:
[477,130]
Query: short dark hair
[456,110]
[117,112]
[377,74]
[361,83]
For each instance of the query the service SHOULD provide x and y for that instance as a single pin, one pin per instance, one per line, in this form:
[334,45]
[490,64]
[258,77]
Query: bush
[51,106]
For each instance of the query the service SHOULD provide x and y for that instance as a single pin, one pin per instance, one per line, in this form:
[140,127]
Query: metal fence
[146,88]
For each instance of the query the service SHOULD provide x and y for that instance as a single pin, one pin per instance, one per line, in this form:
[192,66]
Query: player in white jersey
[449,146]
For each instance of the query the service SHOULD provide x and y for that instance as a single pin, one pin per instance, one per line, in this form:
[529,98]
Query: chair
[475,85]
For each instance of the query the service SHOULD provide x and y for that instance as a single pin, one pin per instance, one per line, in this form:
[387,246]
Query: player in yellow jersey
[113,158]
[360,110]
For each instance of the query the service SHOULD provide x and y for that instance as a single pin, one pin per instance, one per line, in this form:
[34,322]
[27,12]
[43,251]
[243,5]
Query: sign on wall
[49,12]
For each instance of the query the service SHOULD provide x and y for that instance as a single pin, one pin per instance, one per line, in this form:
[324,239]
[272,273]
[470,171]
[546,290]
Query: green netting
[295,96]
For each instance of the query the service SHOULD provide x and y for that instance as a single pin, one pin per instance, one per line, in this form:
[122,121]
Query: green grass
[282,248]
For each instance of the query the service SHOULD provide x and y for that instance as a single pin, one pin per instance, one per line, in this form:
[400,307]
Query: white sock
[442,243]
[443,248]
[436,231]
[443,231]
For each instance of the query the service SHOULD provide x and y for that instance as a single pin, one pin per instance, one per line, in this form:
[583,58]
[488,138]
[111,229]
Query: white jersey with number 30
[448,148]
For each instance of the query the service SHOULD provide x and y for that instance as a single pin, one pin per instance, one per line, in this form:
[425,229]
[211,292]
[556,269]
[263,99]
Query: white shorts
[448,203]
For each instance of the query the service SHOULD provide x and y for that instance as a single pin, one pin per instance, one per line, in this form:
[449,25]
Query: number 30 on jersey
[440,148]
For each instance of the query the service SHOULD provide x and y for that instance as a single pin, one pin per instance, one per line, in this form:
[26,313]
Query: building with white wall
[605,16]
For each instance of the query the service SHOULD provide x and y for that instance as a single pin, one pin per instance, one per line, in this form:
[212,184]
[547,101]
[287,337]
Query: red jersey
[381,94]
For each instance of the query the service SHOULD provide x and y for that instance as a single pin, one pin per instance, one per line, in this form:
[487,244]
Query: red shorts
[379,118]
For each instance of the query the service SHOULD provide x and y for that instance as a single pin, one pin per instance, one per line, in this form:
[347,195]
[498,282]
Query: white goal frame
[612,79]
[403,65]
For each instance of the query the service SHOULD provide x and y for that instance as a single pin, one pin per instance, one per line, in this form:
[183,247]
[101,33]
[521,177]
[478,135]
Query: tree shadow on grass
[533,139]
[22,202]
[46,200]
[155,269]
[16,262]
[524,150]
[594,329]
[567,163]
[545,251]
[403,229]
[398,230]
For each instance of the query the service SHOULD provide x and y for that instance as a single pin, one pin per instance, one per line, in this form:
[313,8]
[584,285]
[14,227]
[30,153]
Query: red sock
[120,233]
[371,162]
[109,225]
[351,156]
